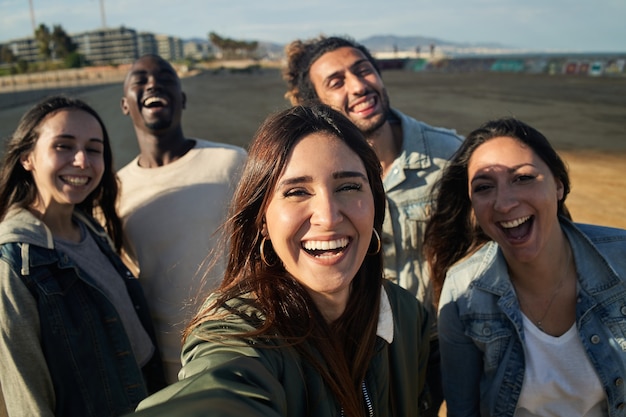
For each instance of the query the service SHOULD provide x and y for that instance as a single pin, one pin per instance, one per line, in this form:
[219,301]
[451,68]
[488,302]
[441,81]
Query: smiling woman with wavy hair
[303,322]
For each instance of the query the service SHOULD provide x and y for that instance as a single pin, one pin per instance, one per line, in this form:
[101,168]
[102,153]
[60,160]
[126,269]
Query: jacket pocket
[492,336]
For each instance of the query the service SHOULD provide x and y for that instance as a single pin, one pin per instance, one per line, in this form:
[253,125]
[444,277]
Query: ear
[560,190]
[184,100]
[26,162]
[124,106]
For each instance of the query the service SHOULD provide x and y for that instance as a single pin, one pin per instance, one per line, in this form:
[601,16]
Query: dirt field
[584,117]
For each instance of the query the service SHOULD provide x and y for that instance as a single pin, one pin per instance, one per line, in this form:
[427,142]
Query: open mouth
[321,248]
[75,181]
[155,102]
[364,105]
[519,228]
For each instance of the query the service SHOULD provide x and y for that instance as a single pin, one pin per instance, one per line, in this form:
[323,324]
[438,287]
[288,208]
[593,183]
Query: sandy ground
[584,117]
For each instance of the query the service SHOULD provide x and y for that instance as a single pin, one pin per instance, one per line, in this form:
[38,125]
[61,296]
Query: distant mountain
[389,43]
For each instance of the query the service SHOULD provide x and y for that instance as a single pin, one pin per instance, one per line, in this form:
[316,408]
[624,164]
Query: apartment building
[108,46]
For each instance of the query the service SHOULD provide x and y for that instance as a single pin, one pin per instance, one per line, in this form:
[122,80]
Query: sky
[542,25]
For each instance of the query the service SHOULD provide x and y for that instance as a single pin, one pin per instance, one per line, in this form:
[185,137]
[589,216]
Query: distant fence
[582,65]
[76,77]
[20,89]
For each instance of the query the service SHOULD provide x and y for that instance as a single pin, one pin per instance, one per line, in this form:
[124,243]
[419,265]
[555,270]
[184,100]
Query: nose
[152,82]
[505,199]
[81,159]
[356,85]
[326,212]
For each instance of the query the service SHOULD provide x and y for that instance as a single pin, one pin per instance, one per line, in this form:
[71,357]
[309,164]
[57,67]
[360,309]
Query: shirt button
[618,382]
[486,331]
[595,339]
[623,310]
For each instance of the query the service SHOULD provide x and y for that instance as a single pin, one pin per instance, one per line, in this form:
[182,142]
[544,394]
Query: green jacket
[237,379]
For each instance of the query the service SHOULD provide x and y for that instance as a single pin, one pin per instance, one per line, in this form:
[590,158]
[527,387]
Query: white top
[171,216]
[559,379]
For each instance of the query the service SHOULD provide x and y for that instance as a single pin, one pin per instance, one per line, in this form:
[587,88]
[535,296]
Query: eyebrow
[351,68]
[67,136]
[336,175]
[508,170]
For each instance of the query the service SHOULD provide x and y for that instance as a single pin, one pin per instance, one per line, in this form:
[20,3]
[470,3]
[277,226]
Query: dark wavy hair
[17,185]
[451,232]
[346,345]
[302,54]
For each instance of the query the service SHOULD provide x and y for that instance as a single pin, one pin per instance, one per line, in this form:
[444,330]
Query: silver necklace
[555,292]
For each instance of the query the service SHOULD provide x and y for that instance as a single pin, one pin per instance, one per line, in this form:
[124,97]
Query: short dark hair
[302,54]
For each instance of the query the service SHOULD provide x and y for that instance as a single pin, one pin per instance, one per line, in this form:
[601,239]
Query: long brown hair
[451,232]
[17,185]
[346,345]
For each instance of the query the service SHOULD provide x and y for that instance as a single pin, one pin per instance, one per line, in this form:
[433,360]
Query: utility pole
[104,20]
[32,15]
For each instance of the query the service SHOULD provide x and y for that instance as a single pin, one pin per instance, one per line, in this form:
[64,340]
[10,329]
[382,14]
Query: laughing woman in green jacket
[303,323]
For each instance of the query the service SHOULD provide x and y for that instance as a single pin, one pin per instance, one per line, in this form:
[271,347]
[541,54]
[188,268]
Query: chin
[158,125]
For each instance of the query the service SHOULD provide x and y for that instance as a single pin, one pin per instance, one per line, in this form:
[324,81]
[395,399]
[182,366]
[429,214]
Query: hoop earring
[378,244]
[262,251]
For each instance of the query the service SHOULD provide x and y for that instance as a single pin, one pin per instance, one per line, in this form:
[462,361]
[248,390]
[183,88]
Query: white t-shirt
[559,379]
[171,216]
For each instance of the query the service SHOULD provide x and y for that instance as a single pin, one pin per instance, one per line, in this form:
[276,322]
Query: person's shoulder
[400,299]
[207,144]
[21,226]
[237,315]
[123,171]
[437,142]
[430,130]
[610,242]
[470,269]
[601,234]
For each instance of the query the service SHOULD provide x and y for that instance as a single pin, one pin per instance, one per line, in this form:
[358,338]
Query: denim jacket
[64,349]
[481,334]
[425,152]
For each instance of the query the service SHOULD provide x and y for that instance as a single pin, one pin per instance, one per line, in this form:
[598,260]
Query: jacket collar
[21,226]
[414,153]
[385,318]
[490,268]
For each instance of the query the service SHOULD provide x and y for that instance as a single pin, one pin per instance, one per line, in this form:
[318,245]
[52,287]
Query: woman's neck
[59,221]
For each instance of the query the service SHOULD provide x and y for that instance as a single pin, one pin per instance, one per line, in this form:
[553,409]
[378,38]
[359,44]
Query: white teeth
[325,244]
[76,180]
[514,223]
[364,105]
[152,100]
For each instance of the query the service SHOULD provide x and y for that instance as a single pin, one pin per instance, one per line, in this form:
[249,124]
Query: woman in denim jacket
[76,337]
[532,313]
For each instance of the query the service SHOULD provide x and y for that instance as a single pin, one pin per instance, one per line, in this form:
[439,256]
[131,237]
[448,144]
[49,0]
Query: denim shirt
[481,333]
[75,342]
[425,152]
